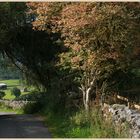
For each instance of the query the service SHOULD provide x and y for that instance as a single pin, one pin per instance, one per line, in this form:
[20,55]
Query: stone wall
[15,104]
[122,115]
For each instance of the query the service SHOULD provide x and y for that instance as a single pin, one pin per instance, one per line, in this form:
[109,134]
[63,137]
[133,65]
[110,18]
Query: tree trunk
[86,99]
[102,100]
[86,94]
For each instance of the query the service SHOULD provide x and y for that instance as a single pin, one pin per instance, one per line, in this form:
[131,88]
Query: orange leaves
[74,16]
[75,59]
[78,15]
[38,7]
[113,55]
[41,10]
[76,47]
[89,29]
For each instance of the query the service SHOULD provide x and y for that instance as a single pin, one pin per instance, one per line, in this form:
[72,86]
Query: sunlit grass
[80,126]
[10,84]
[6,109]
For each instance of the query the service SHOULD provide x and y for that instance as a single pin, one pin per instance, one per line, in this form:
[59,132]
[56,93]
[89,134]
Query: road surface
[22,126]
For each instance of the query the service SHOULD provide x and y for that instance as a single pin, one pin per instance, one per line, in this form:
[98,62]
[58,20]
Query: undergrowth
[69,122]
[4,108]
[80,125]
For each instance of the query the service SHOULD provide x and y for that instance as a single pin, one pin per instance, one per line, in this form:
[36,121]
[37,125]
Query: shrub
[32,108]
[2,94]
[16,92]
[32,96]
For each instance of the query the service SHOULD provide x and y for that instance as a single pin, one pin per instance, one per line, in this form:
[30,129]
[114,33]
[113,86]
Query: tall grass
[82,125]
[66,122]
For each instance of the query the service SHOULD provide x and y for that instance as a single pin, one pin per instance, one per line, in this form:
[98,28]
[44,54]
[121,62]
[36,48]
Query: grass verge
[79,125]
[8,109]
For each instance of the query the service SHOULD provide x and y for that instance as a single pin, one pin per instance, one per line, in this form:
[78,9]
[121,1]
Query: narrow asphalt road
[22,126]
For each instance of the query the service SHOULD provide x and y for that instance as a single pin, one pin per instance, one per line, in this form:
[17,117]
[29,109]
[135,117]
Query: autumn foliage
[91,46]
[98,35]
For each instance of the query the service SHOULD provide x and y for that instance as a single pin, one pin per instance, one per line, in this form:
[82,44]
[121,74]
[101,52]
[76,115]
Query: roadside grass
[78,125]
[58,126]
[8,109]
[69,122]
[10,84]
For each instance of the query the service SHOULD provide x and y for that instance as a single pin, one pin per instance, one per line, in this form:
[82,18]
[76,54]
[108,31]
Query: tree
[16,92]
[89,45]
[99,41]
[33,52]
[7,69]
[2,94]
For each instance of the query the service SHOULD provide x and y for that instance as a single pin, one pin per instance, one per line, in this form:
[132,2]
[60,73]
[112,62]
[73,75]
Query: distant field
[10,84]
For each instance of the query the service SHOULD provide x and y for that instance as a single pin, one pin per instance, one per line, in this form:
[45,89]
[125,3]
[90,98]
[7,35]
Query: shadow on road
[22,126]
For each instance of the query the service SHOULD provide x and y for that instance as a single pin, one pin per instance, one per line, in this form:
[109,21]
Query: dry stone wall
[122,115]
[15,104]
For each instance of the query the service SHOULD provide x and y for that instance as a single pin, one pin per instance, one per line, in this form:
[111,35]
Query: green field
[11,84]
